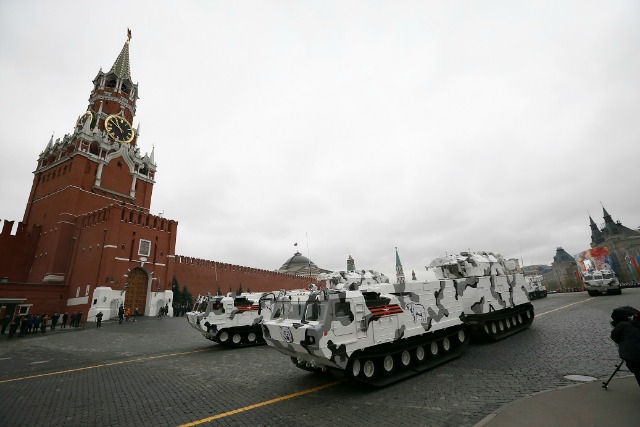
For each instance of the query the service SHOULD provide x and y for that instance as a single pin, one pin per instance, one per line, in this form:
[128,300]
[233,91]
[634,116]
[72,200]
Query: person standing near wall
[5,322]
[54,320]
[99,320]
[13,326]
[43,320]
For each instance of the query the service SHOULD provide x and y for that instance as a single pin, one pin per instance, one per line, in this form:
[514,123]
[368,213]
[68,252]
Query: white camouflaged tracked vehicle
[601,282]
[378,333]
[535,288]
[233,320]
[373,331]
[493,292]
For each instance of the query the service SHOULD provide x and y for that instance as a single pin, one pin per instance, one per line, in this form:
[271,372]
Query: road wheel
[420,353]
[520,319]
[251,337]
[494,328]
[355,368]
[387,364]
[507,323]
[433,349]
[237,338]
[461,336]
[446,344]
[501,325]
[486,328]
[405,358]
[224,336]
[369,369]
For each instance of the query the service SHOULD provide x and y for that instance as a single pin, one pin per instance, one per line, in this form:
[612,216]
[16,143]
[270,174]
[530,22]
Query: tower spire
[121,66]
[399,271]
[596,234]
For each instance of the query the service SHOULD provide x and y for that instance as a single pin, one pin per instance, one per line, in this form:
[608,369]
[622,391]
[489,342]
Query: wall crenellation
[207,264]
[20,229]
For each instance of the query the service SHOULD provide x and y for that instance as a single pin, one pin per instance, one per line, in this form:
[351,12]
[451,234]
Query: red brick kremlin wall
[45,298]
[17,250]
[201,276]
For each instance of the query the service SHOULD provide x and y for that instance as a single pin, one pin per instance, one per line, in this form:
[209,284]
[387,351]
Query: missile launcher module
[493,292]
[232,320]
[367,328]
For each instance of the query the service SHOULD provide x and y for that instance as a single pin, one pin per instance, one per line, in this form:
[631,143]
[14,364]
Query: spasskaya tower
[88,242]
[97,165]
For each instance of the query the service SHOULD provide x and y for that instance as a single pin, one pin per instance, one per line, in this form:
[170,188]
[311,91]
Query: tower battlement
[20,231]
[127,215]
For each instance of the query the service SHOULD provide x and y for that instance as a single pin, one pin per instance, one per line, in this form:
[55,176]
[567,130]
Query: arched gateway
[136,296]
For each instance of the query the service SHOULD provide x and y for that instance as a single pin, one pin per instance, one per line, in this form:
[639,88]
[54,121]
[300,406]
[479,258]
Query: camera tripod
[605,385]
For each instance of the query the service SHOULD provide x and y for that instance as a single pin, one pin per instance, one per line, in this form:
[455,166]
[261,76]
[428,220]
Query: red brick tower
[96,166]
[90,202]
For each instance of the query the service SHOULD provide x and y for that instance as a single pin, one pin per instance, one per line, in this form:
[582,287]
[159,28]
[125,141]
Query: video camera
[623,314]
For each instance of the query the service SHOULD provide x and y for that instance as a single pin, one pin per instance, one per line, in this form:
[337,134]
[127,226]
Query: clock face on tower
[83,119]
[118,128]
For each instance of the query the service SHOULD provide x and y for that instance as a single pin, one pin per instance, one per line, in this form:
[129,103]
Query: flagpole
[308,253]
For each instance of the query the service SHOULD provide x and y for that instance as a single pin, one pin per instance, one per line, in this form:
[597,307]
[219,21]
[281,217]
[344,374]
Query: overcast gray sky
[349,127]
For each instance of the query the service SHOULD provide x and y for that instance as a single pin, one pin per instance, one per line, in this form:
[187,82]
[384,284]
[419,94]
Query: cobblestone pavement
[162,372]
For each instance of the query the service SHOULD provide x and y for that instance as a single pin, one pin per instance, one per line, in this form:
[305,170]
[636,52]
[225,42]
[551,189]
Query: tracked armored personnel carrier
[601,282]
[492,291]
[369,329]
[233,320]
[535,288]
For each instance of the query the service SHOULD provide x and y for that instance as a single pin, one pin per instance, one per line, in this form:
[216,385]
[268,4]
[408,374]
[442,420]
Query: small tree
[177,295]
[187,298]
[239,291]
[248,290]
[218,292]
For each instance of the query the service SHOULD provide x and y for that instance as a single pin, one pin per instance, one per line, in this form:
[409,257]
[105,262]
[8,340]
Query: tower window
[111,83]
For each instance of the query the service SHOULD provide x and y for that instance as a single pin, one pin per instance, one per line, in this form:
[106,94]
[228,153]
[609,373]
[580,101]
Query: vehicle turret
[492,290]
